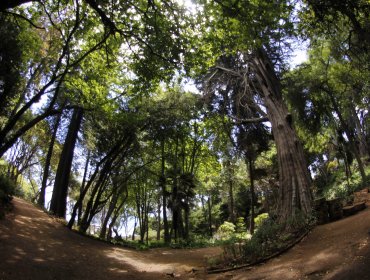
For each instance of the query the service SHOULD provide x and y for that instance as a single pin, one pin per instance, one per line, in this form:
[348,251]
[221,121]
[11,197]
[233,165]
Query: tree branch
[249,121]
[24,18]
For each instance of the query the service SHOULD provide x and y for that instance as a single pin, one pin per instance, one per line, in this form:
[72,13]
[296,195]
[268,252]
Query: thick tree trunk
[295,181]
[59,198]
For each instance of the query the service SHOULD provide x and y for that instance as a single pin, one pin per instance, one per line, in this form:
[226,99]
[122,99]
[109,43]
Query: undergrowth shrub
[337,185]
[269,238]
[7,190]
[225,231]
[272,237]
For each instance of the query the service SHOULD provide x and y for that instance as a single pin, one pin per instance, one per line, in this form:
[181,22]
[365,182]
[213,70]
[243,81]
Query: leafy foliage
[165,166]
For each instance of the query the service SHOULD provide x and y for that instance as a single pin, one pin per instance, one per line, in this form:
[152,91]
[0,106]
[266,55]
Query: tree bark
[115,216]
[83,184]
[349,133]
[230,192]
[109,213]
[59,198]
[294,178]
[162,182]
[250,164]
[159,218]
[210,215]
[45,176]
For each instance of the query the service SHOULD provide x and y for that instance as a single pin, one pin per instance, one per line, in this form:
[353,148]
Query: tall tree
[46,173]
[252,34]
[58,202]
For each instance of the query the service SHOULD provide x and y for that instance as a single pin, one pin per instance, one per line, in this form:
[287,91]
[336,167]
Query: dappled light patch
[59,253]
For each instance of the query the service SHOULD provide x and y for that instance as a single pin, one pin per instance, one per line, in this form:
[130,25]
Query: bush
[7,190]
[226,231]
[260,218]
[271,237]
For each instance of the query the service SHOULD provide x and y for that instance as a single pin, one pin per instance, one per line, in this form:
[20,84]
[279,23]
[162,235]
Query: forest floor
[36,246]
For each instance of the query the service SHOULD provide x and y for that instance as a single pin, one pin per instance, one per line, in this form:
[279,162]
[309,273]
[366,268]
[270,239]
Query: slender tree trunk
[83,226]
[250,164]
[59,198]
[294,178]
[83,185]
[230,192]
[175,204]
[111,207]
[133,231]
[162,181]
[210,215]
[360,135]
[107,163]
[349,133]
[45,177]
[115,216]
[159,218]
[187,216]
[147,222]
[94,209]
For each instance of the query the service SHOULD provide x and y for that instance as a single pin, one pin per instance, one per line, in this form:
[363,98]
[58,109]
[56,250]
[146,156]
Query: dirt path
[34,246]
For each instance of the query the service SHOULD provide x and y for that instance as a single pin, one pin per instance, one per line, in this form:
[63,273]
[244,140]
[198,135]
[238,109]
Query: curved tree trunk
[295,181]
[115,217]
[112,210]
[107,217]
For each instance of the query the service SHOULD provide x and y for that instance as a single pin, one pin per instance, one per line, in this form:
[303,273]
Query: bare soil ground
[35,246]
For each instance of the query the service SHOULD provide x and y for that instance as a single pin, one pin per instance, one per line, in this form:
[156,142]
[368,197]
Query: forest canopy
[177,120]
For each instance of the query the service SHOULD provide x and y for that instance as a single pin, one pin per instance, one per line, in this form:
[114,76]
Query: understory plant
[7,190]
[270,238]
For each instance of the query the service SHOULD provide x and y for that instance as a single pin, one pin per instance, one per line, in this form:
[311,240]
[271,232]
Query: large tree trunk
[294,178]
[59,198]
